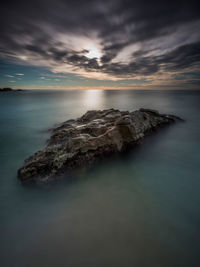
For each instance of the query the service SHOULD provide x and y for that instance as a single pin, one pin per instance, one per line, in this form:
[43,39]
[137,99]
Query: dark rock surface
[97,133]
[7,89]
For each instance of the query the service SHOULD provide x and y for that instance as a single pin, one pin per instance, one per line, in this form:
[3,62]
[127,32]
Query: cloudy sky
[124,44]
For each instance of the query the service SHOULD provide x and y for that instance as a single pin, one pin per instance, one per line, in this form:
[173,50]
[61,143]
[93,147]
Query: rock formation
[8,89]
[78,142]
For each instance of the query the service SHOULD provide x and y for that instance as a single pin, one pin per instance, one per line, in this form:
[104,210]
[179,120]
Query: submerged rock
[98,132]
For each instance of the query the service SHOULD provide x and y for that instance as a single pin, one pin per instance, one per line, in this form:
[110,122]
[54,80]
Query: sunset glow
[104,45]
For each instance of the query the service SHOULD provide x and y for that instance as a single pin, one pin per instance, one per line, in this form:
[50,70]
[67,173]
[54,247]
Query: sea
[136,210]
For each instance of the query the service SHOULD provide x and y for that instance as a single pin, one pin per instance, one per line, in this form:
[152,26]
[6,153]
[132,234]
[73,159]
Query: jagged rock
[98,132]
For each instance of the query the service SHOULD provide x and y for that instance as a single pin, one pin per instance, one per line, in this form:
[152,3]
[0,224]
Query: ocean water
[140,210]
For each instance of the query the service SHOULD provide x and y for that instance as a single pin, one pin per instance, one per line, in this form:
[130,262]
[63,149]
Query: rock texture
[98,132]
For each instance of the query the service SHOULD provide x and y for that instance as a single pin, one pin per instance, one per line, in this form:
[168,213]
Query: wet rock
[79,142]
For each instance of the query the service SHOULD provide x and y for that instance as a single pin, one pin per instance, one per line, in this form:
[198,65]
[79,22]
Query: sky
[91,44]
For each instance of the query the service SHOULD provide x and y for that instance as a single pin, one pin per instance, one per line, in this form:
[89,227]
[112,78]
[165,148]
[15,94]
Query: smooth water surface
[139,210]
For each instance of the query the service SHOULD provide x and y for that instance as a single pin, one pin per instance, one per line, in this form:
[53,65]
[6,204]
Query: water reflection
[93,99]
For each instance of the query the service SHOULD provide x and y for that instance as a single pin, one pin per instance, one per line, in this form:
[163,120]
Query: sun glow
[93,52]
[22,57]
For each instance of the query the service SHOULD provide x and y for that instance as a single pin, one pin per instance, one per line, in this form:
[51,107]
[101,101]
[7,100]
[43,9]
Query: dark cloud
[179,59]
[167,34]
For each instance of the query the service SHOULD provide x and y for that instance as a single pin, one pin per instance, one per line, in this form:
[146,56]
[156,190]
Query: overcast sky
[100,44]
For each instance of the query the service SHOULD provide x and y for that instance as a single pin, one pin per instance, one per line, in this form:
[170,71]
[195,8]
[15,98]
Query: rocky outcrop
[98,132]
[7,89]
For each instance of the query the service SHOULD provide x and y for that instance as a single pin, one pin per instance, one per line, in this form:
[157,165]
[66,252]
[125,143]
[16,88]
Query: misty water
[140,209]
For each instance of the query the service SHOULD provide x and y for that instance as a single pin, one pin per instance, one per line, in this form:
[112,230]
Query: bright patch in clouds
[22,57]
[93,52]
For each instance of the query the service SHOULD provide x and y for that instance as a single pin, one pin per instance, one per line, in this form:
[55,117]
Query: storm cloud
[103,39]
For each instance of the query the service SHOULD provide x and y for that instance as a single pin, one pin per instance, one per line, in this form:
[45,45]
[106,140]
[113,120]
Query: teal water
[139,210]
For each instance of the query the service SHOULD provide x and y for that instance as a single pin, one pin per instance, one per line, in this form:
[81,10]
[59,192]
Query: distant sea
[142,210]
